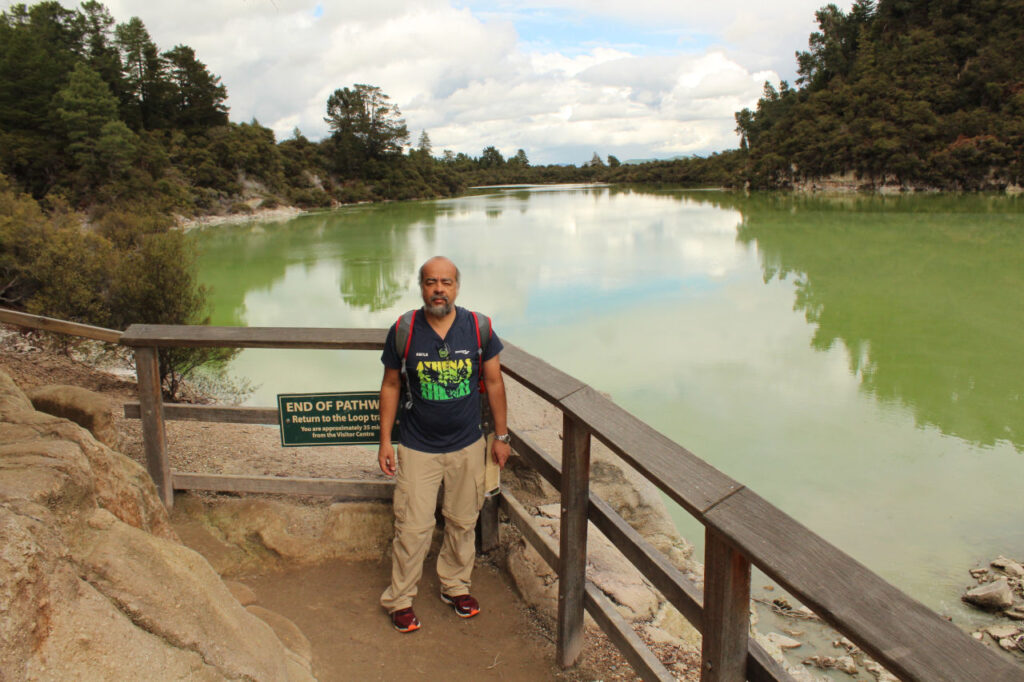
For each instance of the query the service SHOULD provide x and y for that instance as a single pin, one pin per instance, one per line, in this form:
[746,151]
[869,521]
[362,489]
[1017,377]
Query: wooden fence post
[151,408]
[572,578]
[487,525]
[726,611]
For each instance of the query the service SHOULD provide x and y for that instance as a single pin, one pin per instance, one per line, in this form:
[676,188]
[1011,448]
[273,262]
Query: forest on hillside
[105,137]
[921,94]
[95,115]
[912,93]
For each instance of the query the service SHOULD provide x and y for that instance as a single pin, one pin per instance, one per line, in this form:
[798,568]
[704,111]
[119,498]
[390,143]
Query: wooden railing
[742,529]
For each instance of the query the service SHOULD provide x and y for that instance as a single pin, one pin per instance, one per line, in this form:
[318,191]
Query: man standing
[441,441]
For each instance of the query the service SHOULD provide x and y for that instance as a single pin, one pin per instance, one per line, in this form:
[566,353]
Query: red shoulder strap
[408,339]
[476,325]
[479,352]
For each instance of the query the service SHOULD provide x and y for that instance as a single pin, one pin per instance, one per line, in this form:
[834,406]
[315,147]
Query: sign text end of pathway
[329,418]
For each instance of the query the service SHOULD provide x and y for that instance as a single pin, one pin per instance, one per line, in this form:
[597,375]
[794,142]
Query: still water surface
[857,361]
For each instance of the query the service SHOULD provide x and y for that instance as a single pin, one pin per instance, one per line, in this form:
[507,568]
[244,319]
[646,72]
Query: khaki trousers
[419,476]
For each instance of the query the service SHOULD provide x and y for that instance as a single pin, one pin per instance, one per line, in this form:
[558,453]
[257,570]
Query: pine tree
[197,96]
[146,90]
[87,114]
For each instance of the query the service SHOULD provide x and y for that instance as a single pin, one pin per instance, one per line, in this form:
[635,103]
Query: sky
[560,79]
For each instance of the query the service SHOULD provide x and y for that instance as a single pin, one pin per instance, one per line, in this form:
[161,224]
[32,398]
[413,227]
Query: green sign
[329,418]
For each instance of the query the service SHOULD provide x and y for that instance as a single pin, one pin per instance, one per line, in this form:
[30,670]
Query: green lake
[858,361]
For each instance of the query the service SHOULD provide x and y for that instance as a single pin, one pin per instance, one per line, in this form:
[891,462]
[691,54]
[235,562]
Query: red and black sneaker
[465,606]
[405,620]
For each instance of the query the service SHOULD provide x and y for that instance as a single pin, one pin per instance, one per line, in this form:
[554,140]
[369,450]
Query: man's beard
[439,310]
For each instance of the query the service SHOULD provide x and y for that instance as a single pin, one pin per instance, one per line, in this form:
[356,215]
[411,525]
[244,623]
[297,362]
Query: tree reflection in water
[924,293]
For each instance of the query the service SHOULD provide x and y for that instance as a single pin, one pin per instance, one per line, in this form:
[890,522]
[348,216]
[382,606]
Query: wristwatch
[504,438]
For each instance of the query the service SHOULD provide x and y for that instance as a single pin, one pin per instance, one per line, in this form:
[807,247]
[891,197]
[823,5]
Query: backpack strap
[403,333]
[403,341]
[483,330]
[483,339]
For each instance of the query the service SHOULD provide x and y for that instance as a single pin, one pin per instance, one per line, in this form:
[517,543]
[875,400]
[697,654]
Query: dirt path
[335,605]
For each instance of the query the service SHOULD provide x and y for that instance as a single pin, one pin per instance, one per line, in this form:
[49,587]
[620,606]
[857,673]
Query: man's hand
[500,452]
[386,458]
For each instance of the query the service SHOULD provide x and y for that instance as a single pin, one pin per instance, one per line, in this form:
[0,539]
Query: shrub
[23,228]
[312,197]
[128,267]
[154,283]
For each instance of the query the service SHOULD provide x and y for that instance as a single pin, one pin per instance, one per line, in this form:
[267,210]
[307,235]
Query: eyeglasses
[443,351]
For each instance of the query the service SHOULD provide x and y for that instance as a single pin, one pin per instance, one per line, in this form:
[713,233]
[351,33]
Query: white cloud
[464,74]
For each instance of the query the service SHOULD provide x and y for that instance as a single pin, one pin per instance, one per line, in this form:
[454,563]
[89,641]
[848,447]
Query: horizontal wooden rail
[679,590]
[546,381]
[210,413]
[688,480]
[253,337]
[342,488]
[50,324]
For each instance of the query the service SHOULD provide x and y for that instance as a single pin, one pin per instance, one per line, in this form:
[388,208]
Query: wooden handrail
[173,336]
[902,634]
[211,413]
[50,324]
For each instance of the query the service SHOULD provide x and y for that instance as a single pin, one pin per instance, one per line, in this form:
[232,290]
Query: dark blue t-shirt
[444,376]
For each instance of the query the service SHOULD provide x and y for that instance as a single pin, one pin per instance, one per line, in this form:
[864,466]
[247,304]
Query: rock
[783,642]
[673,624]
[122,486]
[993,596]
[639,502]
[533,578]
[880,673]
[192,610]
[89,410]
[796,672]
[1016,612]
[89,638]
[1009,567]
[93,583]
[998,632]
[289,633]
[845,664]
[12,399]
[978,635]
[1008,644]
[241,592]
[634,597]
[255,534]
[845,643]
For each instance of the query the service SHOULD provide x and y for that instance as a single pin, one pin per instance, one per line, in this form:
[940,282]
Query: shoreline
[822,187]
[258,215]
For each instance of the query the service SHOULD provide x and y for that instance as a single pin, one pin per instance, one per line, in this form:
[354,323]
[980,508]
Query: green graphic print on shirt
[445,379]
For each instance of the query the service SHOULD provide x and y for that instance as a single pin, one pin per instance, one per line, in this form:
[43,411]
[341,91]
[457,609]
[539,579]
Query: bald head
[439,285]
[442,262]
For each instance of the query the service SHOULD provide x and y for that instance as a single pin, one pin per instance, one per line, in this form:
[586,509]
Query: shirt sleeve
[389,356]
